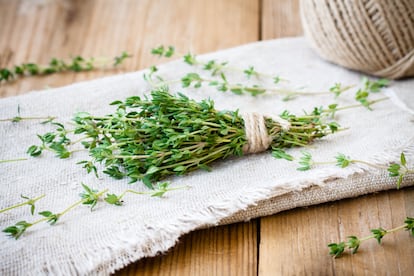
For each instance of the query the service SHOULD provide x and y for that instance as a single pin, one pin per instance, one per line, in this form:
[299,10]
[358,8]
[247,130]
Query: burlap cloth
[110,237]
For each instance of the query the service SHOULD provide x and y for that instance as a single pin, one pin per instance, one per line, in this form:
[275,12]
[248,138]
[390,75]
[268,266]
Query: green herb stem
[18,119]
[79,140]
[353,161]
[37,221]
[12,160]
[132,157]
[359,105]
[369,164]
[353,243]
[259,89]
[148,192]
[161,83]
[74,205]
[79,202]
[396,229]
[28,202]
[323,163]
[77,150]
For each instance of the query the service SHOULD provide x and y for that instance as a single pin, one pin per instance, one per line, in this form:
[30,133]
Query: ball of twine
[372,36]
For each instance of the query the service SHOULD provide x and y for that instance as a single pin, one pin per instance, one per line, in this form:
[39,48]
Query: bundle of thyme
[153,137]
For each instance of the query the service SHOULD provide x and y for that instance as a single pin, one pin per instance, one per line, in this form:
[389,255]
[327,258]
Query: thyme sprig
[163,51]
[219,79]
[29,201]
[76,64]
[353,242]
[395,169]
[18,118]
[89,197]
[223,85]
[160,189]
[368,88]
[213,66]
[57,142]
[400,170]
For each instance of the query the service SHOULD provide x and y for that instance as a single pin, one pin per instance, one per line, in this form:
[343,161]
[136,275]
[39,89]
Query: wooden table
[289,243]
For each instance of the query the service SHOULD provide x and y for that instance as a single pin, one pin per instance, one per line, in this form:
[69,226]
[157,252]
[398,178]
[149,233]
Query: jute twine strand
[258,139]
[372,36]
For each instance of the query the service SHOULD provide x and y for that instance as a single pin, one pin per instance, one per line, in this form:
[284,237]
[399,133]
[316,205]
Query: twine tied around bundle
[258,138]
[371,36]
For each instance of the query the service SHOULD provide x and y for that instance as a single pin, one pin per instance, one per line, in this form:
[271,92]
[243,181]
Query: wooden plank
[294,242]
[280,18]
[39,30]
[224,250]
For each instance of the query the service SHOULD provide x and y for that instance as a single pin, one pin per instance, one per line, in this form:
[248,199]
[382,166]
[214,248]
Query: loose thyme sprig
[29,201]
[215,67]
[162,51]
[218,69]
[19,118]
[369,87]
[159,191]
[223,85]
[306,162]
[353,243]
[76,64]
[89,197]
[57,142]
[399,170]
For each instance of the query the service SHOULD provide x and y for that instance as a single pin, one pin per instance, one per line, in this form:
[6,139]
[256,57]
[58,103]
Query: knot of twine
[258,139]
[372,36]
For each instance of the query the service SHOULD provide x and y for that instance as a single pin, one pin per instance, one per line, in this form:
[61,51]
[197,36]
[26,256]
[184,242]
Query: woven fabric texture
[372,36]
[110,237]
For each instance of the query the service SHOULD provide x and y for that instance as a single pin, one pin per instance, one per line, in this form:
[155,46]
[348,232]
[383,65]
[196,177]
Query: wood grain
[280,19]
[224,250]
